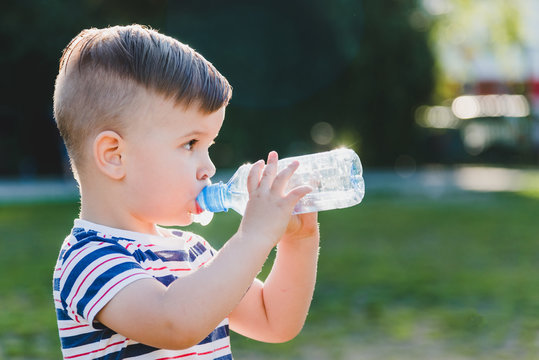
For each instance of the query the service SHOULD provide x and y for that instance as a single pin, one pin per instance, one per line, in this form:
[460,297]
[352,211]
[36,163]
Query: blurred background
[401,82]
[440,99]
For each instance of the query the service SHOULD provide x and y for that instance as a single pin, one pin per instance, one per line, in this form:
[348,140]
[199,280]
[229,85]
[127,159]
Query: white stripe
[72,328]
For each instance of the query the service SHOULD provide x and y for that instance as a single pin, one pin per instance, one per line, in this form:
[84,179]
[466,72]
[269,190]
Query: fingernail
[273,155]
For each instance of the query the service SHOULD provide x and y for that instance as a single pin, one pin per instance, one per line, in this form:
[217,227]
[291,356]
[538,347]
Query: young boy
[138,112]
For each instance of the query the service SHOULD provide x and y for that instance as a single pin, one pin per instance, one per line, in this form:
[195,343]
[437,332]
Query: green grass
[399,277]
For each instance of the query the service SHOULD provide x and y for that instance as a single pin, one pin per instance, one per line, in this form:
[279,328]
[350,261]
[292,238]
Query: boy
[138,112]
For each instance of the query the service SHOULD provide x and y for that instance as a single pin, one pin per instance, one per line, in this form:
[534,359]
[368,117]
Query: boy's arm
[185,312]
[275,311]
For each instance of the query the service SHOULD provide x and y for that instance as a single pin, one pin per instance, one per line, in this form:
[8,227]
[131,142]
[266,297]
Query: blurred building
[489,49]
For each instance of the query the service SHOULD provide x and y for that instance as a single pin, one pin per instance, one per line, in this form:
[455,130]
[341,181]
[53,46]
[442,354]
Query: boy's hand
[301,226]
[275,310]
[267,214]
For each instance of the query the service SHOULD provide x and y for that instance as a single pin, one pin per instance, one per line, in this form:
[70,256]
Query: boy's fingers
[281,180]
[268,175]
[253,179]
[297,193]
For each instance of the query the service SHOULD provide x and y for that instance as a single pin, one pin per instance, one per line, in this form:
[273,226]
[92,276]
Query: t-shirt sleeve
[92,273]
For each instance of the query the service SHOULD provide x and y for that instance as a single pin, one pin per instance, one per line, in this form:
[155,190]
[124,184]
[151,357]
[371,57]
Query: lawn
[400,277]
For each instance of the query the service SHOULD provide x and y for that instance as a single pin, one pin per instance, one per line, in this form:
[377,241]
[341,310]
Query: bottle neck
[214,198]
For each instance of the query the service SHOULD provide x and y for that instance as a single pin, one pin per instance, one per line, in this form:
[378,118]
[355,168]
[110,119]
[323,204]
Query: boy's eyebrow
[194,133]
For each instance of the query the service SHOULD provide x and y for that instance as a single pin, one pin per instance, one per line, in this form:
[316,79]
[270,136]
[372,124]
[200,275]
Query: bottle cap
[211,198]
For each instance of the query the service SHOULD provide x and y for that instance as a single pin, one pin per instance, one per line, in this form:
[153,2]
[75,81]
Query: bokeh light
[322,133]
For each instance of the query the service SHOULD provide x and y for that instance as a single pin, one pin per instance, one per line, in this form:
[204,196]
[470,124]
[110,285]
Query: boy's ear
[107,152]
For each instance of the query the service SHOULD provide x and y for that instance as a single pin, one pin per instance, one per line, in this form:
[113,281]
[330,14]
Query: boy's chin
[184,220]
[203,218]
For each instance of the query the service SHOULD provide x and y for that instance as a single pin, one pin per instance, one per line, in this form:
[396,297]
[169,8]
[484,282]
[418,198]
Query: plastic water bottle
[335,177]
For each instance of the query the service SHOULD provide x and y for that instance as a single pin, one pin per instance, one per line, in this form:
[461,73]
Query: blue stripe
[118,355]
[172,255]
[61,255]
[129,351]
[225,357]
[150,255]
[139,256]
[56,284]
[178,233]
[142,256]
[196,250]
[137,350]
[165,280]
[217,334]
[62,314]
[69,342]
[80,233]
[119,238]
[78,245]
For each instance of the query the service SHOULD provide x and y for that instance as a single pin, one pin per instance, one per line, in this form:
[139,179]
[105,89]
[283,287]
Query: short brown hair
[102,73]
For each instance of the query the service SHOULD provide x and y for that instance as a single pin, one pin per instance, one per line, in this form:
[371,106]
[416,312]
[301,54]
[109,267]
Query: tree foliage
[359,66]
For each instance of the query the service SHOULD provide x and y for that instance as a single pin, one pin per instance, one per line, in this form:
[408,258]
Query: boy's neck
[106,209]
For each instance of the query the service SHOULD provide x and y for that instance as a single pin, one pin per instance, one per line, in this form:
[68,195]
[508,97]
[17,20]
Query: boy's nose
[206,171]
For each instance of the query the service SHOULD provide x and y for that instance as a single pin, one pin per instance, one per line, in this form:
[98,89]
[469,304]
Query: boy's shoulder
[87,235]
[88,231]
[93,249]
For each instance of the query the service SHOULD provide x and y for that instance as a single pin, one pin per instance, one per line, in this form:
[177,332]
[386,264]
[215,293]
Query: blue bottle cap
[211,198]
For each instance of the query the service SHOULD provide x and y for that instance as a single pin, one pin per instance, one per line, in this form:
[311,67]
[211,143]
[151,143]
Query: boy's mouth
[198,210]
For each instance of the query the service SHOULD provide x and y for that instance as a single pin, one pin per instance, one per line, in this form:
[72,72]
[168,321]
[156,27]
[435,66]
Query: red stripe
[73,327]
[165,268]
[112,287]
[194,353]
[151,268]
[214,350]
[139,245]
[86,277]
[94,351]
[177,357]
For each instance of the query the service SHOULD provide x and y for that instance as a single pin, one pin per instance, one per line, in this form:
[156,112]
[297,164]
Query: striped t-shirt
[96,262]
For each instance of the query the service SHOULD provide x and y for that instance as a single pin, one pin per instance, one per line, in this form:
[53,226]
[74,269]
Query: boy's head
[105,74]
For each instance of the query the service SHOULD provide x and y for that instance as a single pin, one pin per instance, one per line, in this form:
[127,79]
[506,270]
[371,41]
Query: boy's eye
[190,144]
